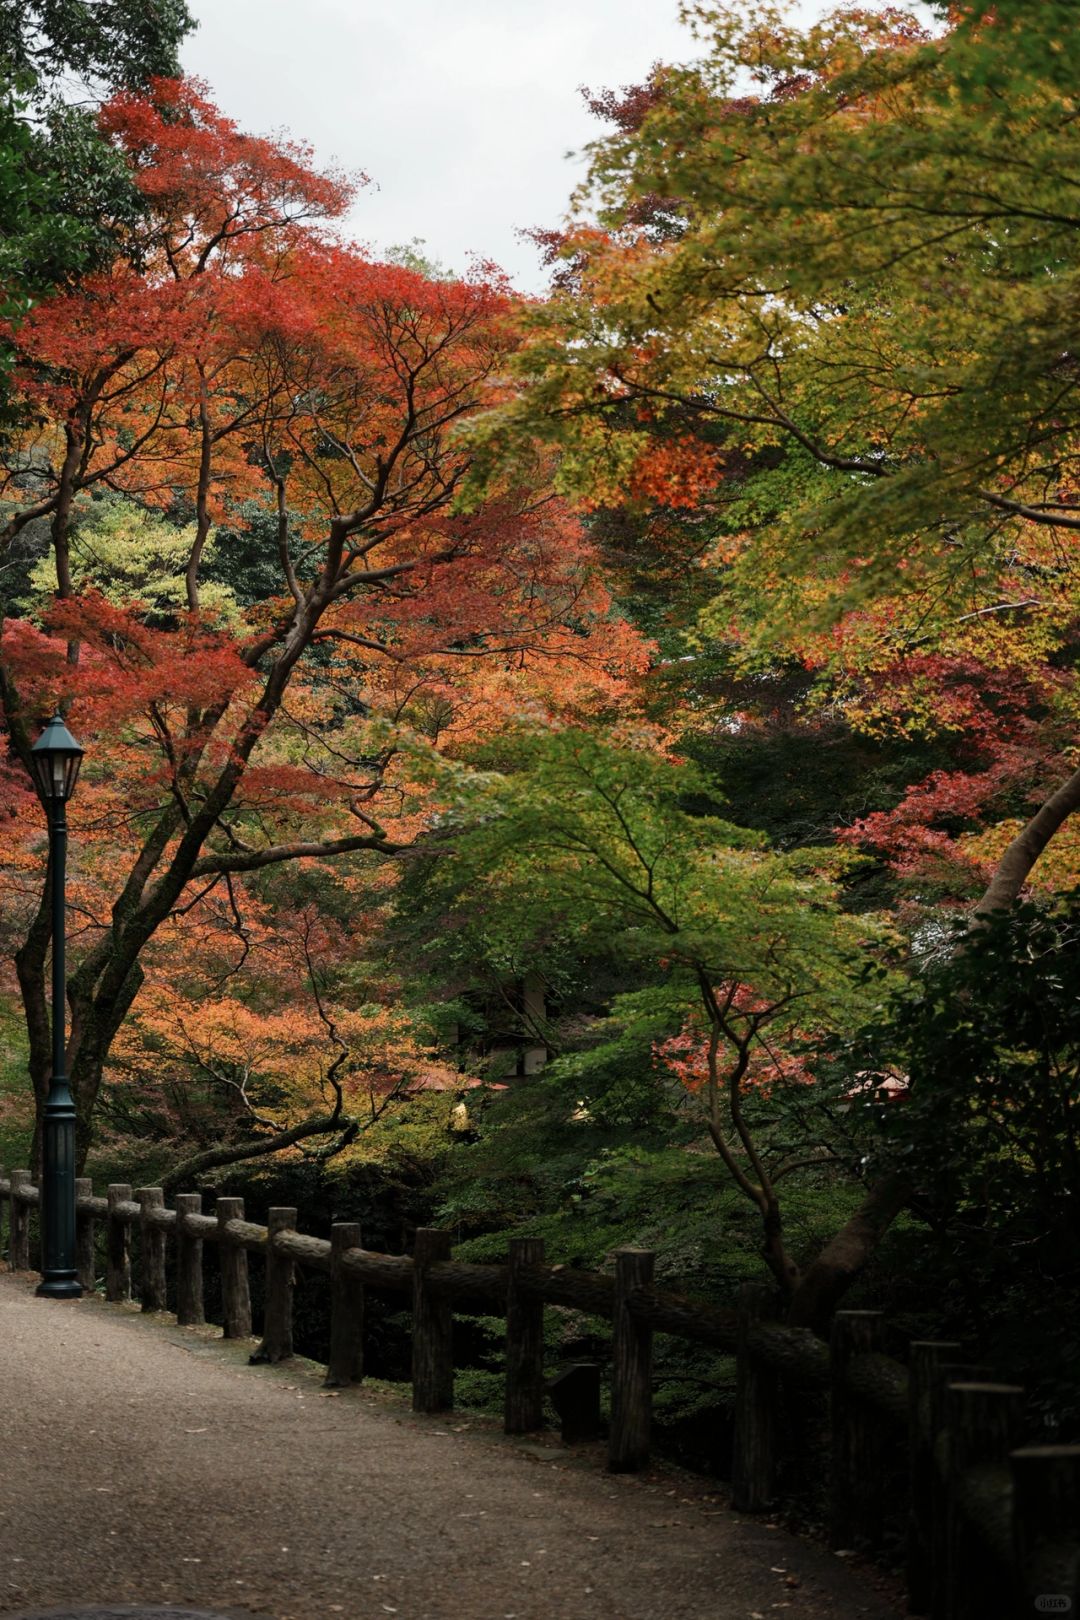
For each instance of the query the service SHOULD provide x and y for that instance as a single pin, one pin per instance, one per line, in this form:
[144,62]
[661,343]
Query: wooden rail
[993,1527]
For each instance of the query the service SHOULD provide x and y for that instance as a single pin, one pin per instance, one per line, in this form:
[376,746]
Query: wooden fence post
[277,1340]
[235,1282]
[190,1308]
[855,1480]
[432,1330]
[575,1394]
[631,1367]
[19,1247]
[524,1403]
[927,1356]
[3,1177]
[85,1256]
[983,1424]
[945,1373]
[757,1409]
[151,1251]
[346,1364]
[1046,1526]
[117,1246]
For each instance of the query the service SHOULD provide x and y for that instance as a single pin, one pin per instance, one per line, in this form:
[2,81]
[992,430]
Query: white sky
[460,111]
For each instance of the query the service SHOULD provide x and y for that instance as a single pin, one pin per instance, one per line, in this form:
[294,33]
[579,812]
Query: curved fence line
[993,1527]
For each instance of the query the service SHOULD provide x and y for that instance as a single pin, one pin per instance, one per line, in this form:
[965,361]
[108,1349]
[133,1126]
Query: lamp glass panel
[55,774]
[41,769]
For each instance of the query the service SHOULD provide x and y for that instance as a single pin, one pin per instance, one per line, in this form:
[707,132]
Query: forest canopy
[609,757]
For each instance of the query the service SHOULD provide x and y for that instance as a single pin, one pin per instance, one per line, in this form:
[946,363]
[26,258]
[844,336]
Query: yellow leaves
[132,556]
[726,549]
[1057,870]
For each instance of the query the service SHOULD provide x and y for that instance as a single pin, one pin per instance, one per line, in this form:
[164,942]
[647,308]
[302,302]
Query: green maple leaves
[591,839]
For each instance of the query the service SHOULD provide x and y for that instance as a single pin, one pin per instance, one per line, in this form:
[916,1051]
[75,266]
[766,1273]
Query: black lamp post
[54,761]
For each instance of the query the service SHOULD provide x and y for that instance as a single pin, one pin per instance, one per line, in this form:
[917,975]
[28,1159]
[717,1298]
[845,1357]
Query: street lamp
[54,763]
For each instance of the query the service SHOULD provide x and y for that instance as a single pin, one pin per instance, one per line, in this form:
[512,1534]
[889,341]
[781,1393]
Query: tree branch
[213,1158]
[252,860]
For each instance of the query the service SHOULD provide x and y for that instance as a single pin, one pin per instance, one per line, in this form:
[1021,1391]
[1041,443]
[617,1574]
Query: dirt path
[168,1472]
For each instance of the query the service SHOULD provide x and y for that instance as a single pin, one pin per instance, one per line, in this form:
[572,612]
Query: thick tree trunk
[91,1073]
[827,1279]
[93,1029]
[1015,865]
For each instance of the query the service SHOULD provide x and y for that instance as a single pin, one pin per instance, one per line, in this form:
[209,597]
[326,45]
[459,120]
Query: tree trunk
[202,500]
[61,523]
[255,1148]
[774,1250]
[1015,865]
[94,1027]
[827,1279]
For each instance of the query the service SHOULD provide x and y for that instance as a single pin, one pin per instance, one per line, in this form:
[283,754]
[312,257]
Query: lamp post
[54,762]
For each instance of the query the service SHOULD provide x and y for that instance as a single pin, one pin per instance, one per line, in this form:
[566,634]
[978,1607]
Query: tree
[267,1031]
[132,554]
[863,287]
[65,194]
[748,957]
[240,355]
[167,346]
[995,1162]
[118,42]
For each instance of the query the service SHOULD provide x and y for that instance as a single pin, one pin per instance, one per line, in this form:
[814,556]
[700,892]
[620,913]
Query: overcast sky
[460,111]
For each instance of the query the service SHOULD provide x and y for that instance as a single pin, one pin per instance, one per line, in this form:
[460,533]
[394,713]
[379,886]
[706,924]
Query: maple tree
[265,1030]
[826,299]
[235,354]
[580,845]
[810,332]
[345,571]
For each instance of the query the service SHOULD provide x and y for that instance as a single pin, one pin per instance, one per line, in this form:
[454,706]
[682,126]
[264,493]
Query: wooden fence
[993,1527]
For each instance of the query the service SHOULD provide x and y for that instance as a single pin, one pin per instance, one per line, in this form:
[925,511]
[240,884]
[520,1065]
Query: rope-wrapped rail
[993,1527]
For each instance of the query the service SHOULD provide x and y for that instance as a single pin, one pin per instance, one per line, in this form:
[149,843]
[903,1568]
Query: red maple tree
[235,352]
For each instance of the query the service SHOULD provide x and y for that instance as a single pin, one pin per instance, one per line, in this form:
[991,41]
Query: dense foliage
[65,195]
[599,766]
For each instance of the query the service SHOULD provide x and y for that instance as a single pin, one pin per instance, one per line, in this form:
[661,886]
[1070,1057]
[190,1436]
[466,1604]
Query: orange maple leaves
[235,354]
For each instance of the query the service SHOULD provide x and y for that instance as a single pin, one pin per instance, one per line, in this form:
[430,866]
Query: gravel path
[170,1472]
